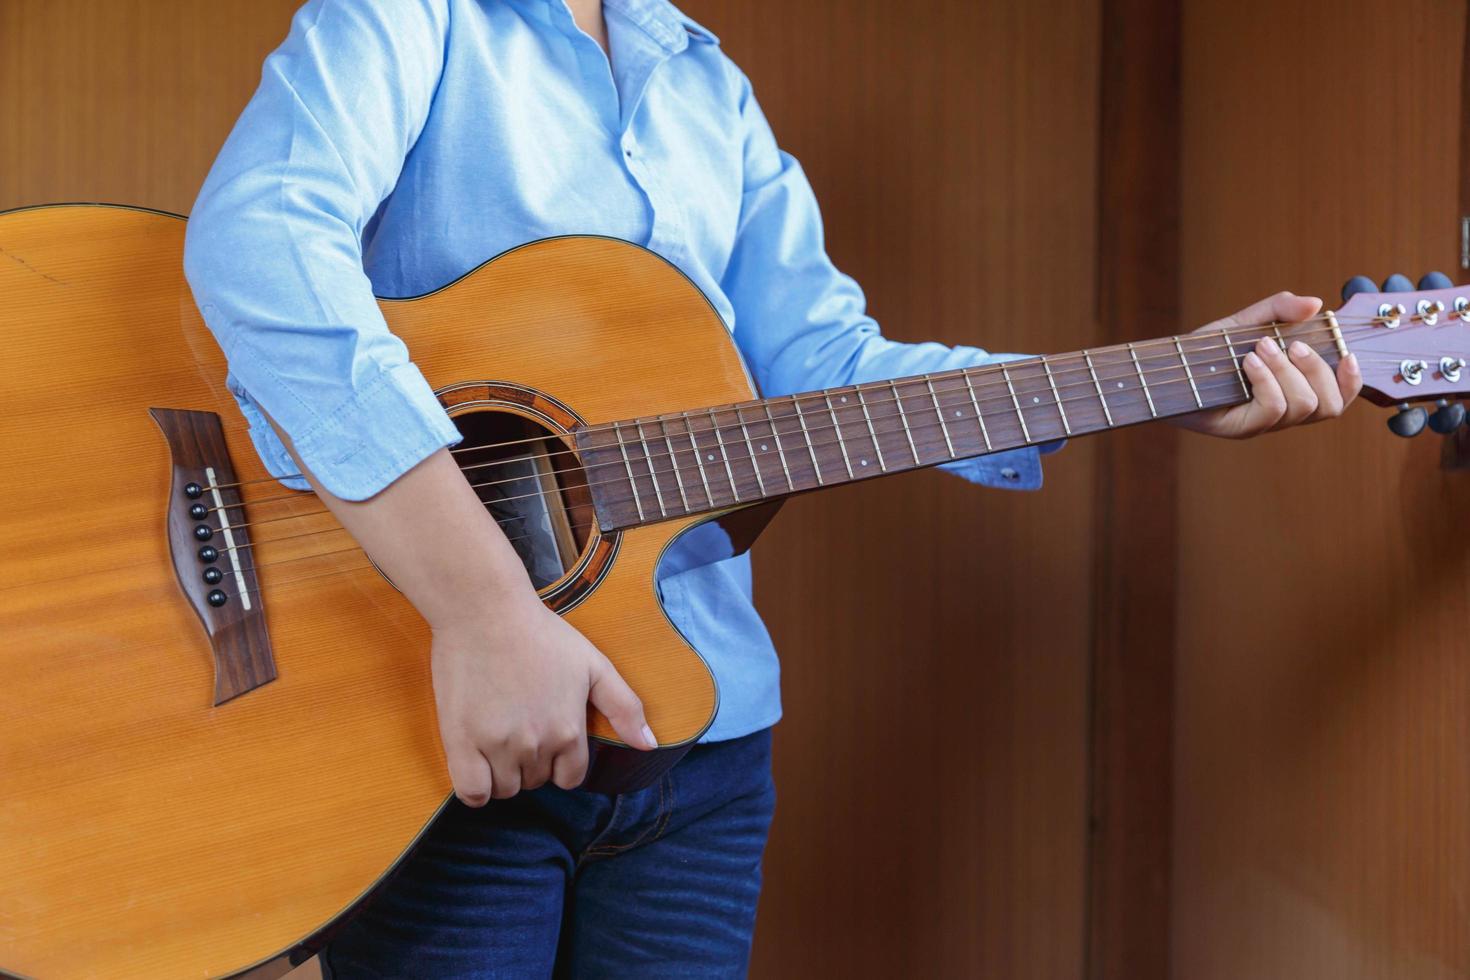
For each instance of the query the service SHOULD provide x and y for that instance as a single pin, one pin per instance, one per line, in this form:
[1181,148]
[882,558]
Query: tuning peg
[1358,284]
[1407,422]
[1398,283]
[1435,280]
[1447,417]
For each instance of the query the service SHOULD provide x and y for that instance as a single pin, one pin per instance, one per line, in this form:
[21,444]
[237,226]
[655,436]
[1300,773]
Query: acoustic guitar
[218,730]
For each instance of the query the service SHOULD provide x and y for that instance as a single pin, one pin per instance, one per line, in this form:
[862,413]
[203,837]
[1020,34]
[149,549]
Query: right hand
[512,684]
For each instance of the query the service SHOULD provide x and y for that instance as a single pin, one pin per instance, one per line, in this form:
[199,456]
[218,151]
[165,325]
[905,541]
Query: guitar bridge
[209,541]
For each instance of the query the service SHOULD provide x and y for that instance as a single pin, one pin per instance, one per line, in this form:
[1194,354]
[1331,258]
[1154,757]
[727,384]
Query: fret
[1020,416]
[1213,374]
[674,459]
[837,426]
[628,465]
[939,412]
[1107,413]
[816,468]
[780,451]
[750,447]
[904,420]
[1235,359]
[871,431]
[1279,339]
[724,454]
[1142,381]
[694,450]
[979,415]
[1066,425]
[658,493]
[1188,373]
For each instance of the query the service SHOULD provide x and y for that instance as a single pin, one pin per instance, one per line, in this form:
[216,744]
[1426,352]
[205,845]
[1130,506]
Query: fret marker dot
[763,447]
[711,457]
[957,414]
[1036,399]
[864,462]
[1212,369]
[1120,384]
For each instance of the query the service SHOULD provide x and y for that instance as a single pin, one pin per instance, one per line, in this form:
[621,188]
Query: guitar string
[1355,328]
[964,385]
[678,469]
[673,456]
[1211,386]
[370,566]
[1204,385]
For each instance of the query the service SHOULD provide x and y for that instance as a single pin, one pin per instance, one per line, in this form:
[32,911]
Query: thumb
[1290,308]
[611,695]
[1280,308]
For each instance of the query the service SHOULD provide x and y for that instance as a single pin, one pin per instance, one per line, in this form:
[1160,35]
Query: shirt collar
[669,26]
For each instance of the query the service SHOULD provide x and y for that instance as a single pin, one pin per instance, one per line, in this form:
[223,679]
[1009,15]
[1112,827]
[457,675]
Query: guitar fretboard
[652,469]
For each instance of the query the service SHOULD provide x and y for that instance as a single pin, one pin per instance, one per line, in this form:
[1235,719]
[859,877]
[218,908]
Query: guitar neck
[652,469]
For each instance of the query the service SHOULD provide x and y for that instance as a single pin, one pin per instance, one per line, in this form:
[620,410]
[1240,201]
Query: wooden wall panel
[932,766]
[932,763]
[125,101]
[1323,700]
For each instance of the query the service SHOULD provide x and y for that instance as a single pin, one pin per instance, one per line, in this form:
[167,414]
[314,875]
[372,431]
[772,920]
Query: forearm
[436,541]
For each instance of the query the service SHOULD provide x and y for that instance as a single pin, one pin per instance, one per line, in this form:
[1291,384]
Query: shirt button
[1010,474]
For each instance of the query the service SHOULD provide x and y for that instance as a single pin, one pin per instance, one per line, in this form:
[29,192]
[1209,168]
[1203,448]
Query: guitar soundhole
[533,484]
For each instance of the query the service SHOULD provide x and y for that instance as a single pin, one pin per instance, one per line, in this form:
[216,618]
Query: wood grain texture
[1323,713]
[146,830]
[952,147]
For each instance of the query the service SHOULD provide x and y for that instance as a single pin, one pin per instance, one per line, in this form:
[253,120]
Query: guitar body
[195,791]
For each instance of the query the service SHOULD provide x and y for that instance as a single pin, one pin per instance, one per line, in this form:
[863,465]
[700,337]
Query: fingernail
[648,738]
[1352,361]
[1299,349]
[1252,360]
[1267,348]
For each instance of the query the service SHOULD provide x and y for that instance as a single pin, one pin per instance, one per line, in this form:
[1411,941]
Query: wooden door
[1322,783]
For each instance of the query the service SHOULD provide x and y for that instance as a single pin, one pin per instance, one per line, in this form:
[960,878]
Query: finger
[570,766]
[611,695]
[1301,400]
[1320,377]
[535,770]
[1349,379]
[1267,403]
[469,772]
[507,772]
[1281,308]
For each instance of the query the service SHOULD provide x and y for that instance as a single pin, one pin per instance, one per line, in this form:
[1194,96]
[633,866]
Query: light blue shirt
[391,147]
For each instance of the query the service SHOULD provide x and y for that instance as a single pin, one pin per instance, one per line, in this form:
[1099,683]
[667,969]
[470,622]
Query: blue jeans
[658,883]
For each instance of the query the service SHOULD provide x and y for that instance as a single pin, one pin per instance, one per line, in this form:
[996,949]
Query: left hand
[1287,389]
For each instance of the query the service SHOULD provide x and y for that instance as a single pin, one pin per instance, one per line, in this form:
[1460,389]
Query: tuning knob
[1407,422]
[1358,284]
[1447,417]
[1398,283]
[1435,280]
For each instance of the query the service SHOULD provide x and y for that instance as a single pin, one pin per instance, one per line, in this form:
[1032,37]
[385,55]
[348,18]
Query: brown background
[1198,709]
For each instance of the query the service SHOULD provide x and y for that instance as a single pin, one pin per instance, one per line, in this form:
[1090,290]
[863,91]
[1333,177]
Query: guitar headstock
[1412,345]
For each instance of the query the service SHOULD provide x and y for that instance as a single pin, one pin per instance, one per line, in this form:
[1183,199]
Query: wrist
[491,608]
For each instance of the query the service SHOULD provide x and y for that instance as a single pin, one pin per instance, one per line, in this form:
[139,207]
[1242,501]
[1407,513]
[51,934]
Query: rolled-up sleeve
[274,245]
[801,323]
